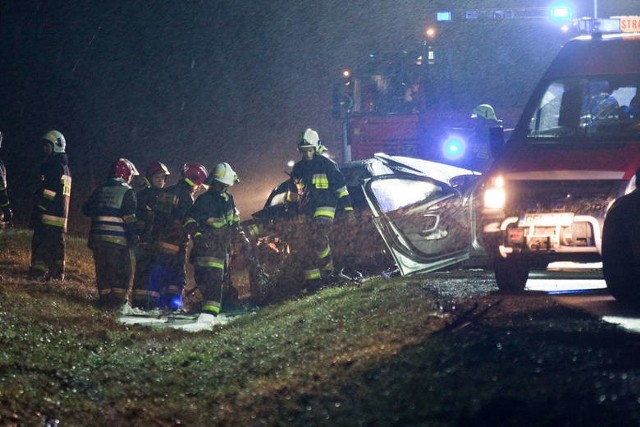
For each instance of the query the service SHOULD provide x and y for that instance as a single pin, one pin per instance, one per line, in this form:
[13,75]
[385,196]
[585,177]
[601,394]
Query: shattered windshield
[602,108]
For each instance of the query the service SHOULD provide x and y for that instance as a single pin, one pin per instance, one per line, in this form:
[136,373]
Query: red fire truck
[573,153]
[418,102]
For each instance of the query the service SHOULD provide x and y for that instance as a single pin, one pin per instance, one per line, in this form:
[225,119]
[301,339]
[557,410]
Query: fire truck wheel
[621,261]
[511,273]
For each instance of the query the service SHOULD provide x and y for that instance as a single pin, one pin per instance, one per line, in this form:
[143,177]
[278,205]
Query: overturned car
[412,215]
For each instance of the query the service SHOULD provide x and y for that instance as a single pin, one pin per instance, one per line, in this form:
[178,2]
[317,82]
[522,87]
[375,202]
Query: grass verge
[383,353]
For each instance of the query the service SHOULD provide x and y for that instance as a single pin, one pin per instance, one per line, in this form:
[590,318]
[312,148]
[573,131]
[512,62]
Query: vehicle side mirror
[496,140]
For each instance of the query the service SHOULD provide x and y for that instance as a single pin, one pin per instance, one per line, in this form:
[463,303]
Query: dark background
[237,81]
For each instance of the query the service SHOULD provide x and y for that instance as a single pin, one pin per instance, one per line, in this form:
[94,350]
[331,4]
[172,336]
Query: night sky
[208,81]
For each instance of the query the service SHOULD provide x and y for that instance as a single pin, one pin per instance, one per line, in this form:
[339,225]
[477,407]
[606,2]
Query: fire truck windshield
[594,108]
[389,84]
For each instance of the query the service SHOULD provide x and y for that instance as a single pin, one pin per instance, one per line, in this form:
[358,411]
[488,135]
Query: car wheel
[620,269]
[511,273]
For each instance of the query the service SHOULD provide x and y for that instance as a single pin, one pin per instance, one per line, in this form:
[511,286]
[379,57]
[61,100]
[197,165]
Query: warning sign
[630,24]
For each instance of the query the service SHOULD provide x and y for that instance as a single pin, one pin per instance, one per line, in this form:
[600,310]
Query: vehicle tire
[511,273]
[620,261]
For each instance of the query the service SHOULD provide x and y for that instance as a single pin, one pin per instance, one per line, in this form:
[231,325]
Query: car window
[598,107]
[278,199]
[396,193]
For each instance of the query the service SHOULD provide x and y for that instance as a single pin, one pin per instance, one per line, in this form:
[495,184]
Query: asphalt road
[577,286]
[584,288]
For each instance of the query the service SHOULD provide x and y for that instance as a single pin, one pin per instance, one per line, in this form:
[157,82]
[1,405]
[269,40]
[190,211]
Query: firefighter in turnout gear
[51,210]
[6,215]
[317,189]
[112,208]
[142,295]
[214,223]
[168,275]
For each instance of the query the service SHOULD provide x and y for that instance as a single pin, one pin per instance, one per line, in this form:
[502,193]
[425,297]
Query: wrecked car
[412,215]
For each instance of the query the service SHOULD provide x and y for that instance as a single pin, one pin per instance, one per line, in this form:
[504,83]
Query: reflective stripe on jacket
[112,208]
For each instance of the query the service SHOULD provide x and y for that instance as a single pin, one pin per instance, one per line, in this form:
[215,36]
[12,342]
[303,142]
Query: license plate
[551,219]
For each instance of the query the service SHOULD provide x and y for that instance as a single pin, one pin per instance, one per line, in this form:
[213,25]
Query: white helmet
[485,111]
[56,139]
[310,139]
[223,173]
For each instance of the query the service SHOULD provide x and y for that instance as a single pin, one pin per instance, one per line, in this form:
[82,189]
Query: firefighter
[214,223]
[5,205]
[143,296]
[317,189]
[485,119]
[112,208]
[50,211]
[168,275]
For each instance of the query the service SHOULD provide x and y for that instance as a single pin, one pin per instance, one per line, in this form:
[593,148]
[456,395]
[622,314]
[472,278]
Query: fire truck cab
[573,152]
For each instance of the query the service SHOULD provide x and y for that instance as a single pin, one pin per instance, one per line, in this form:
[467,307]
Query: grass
[63,359]
[383,353]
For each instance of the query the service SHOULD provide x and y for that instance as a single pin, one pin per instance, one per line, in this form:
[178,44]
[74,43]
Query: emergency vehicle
[418,101]
[573,152]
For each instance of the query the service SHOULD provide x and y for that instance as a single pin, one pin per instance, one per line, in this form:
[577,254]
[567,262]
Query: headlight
[494,193]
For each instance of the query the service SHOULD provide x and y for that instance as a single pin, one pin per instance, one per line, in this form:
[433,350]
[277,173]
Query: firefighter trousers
[114,271]
[315,248]
[168,277]
[144,294]
[208,273]
[48,252]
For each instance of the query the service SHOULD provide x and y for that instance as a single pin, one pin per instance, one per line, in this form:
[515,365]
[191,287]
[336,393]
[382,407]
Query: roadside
[442,349]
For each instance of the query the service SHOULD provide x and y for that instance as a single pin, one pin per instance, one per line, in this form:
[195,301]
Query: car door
[424,222]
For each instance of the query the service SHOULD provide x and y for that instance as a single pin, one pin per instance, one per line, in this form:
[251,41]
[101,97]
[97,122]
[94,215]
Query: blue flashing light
[443,16]
[453,148]
[560,13]
[176,303]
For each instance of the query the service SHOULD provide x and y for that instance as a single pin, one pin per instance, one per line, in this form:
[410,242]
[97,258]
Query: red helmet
[195,172]
[123,168]
[156,167]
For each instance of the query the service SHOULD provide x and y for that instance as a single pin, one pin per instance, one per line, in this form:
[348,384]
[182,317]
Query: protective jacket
[112,208]
[144,211]
[171,206]
[53,193]
[319,188]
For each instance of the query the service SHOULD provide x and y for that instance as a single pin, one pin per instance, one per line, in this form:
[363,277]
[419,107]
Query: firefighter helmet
[484,111]
[123,168]
[223,174]
[56,139]
[195,172]
[156,167]
[310,139]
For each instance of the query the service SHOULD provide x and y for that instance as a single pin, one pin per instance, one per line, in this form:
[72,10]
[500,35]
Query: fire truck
[418,102]
[573,153]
